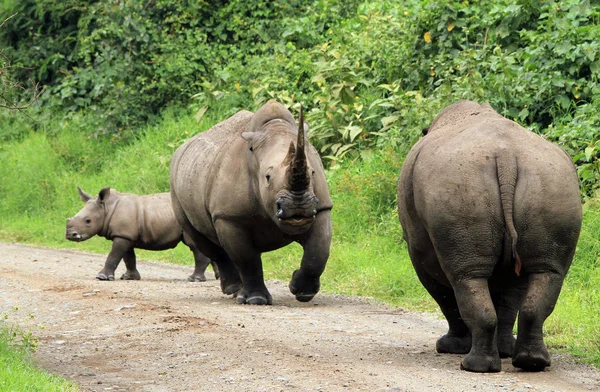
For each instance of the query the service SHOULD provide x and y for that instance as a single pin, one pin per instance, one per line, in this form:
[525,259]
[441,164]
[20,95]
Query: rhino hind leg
[201,262]
[507,301]
[131,264]
[458,338]
[477,309]
[229,276]
[530,352]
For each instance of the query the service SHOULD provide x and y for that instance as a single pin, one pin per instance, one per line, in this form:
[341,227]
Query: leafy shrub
[370,73]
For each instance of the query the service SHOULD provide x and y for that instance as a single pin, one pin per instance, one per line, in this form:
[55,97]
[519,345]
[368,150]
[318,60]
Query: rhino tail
[506,166]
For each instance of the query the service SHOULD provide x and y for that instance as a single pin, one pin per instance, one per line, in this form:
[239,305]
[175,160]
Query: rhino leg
[507,301]
[305,282]
[201,263]
[120,246]
[246,258]
[215,268]
[477,310]
[530,352]
[229,277]
[458,338]
[130,262]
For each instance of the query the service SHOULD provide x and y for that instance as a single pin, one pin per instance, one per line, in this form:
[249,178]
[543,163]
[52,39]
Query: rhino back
[158,227]
[201,166]
[455,175]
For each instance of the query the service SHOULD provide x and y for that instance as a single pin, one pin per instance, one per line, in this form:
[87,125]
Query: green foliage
[17,372]
[371,74]
[575,324]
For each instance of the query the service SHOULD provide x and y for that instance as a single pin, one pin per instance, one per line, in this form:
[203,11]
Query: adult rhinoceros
[131,221]
[253,184]
[491,215]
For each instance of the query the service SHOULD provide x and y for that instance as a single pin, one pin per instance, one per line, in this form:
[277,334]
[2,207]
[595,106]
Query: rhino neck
[109,211]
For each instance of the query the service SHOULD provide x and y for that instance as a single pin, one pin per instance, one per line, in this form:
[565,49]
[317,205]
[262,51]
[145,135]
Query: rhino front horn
[299,180]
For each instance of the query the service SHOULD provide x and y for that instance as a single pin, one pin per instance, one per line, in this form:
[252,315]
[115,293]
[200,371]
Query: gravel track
[166,334]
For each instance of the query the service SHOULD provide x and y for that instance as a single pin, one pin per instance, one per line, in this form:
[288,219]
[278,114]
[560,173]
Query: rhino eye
[88,221]
[251,148]
[268,177]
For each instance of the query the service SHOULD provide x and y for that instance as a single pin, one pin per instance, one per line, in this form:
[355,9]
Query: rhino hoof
[196,278]
[481,363]
[305,297]
[104,277]
[531,362]
[131,276]
[232,288]
[256,299]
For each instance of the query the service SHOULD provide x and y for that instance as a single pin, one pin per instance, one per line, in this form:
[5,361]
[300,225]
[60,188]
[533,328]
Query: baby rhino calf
[131,221]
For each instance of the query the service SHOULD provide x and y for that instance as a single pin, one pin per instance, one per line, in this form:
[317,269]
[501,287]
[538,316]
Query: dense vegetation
[129,81]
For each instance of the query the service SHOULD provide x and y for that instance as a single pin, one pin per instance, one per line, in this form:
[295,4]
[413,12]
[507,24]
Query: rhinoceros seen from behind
[491,215]
[131,221]
[252,184]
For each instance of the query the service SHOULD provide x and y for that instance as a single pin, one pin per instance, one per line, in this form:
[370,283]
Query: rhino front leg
[306,281]
[130,262]
[246,259]
[120,246]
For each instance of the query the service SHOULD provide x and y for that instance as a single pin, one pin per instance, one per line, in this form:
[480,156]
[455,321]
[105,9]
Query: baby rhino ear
[103,195]
[84,196]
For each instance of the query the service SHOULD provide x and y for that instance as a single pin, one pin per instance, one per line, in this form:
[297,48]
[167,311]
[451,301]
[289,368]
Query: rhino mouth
[74,236]
[298,220]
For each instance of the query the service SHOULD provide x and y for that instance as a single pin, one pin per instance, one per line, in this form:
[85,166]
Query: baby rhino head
[90,219]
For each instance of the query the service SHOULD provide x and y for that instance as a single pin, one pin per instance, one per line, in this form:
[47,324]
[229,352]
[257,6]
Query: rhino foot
[231,289]
[196,278]
[448,344]
[102,276]
[531,360]
[257,298]
[131,275]
[304,289]
[481,363]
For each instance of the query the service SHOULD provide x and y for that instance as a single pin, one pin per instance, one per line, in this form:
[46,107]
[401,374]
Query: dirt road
[166,334]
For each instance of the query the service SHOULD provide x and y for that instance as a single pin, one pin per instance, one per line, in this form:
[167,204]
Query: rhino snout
[73,236]
[297,212]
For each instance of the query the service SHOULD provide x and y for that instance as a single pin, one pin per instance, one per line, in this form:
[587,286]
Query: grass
[368,256]
[17,372]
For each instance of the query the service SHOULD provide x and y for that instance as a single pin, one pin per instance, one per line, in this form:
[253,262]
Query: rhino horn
[299,179]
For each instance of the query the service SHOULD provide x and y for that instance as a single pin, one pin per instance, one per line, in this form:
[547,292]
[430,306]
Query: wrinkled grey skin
[131,221]
[491,215]
[233,195]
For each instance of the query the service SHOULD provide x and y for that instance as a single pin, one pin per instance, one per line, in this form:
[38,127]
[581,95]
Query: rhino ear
[103,195]
[249,136]
[84,196]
